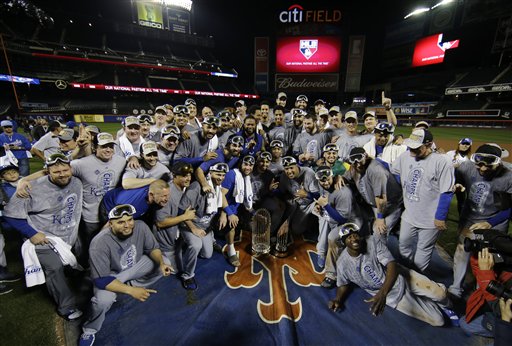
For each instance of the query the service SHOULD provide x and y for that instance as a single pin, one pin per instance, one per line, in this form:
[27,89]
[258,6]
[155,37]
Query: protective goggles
[54,158]
[212,121]
[297,112]
[238,140]
[302,98]
[265,156]
[356,158]
[330,147]
[249,160]
[288,161]
[485,159]
[347,229]
[170,129]
[323,174]
[224,115]
[146,119]
[385,127]
[220,167]
[276,143]
[123,209]
[181,110]
[190,102]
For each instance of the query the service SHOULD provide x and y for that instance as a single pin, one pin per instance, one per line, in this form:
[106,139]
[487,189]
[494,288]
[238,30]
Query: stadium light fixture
[417,11]
[443,2]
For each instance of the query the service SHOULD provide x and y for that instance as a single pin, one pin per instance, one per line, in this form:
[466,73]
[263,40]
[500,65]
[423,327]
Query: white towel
[213,143]
[8,159]
[127,147]
[213,200]
[243,189]
[34,274]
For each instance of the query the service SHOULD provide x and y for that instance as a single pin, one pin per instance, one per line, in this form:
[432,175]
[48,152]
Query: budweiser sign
[307,82]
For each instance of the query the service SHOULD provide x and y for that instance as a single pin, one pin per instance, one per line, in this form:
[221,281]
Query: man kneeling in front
[125,258]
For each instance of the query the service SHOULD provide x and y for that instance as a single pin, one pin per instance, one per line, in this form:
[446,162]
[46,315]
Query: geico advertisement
[150,14]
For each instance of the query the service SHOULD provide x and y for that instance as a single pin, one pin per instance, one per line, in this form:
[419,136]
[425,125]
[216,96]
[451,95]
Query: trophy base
[281,253]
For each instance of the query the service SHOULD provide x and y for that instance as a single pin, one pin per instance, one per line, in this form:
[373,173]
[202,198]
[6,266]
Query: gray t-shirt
[368,270]
[346,143]
[109,255]
[306,180]
[307,143]
[195,146]
[423,182]
[97,177]
[164,235]
[343,202]
[50,209]
[195,198]
[144,173]
[377,181]
[480,204]
[48,144]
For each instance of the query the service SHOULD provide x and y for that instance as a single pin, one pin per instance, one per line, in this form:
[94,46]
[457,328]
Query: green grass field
[27,316]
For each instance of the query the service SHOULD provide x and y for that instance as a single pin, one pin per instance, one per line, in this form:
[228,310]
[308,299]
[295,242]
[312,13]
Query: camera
[499,290]
[496,241]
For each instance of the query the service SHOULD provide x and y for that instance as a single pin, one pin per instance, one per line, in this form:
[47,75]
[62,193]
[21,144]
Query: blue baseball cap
[466,141]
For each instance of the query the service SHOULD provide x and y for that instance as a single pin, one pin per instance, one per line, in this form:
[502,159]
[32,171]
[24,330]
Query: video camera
[499,290]
[498,243]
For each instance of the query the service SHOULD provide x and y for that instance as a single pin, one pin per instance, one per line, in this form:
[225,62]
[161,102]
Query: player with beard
[49,217]
[201,145]
[330,159]
[293,131]
[333,207]
[278,128]
[229,154]
[484,178]
[125,258]
[379,189]
[308,145]
[171,137]
[145,121]
[254,142]
[181,114]
[367,263]
[149,171]
[427,180]
[383,145]
[350,138]
[225,130]
[276,149]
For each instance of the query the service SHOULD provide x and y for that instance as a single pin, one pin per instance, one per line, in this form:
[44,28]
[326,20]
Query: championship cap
[282,95]
[66,135]
[418,137]
[130,121]
[350,114]
[105,138]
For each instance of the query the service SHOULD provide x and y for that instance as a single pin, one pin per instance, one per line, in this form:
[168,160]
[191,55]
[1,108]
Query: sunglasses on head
[220,167]
[181,110]
[123,209]
[385,127]
[323,175]
[54,158]
[485,159]
[356,158]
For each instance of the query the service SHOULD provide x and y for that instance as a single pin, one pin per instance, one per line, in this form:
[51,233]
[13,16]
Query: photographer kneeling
[485,314]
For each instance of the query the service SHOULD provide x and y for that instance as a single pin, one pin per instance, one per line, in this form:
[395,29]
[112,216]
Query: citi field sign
[297,14]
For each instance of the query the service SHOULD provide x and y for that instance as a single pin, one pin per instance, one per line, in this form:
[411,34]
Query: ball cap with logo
[282,95]
[240,103]
[182,169]
[131,120]
[6,123]
[67,134]
[369,114]
[148,147]
[105,138]
[334,110]
[418,138]
[350,114]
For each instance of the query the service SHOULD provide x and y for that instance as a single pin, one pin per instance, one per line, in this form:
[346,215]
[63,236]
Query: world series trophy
[261,232]
[281,249]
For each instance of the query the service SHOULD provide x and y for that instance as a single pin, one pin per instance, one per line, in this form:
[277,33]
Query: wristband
[380,216]
[388,108]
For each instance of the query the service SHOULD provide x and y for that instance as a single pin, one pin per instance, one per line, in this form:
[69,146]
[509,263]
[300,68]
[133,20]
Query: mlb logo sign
[308,48]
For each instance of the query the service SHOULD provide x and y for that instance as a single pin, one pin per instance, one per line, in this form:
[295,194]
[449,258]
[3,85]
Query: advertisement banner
[18,79]
[471,113]
[178,20]
[302,82]
[309,54]
[89,118]
[404,109]
[430,50]
[491,88]
[150,14]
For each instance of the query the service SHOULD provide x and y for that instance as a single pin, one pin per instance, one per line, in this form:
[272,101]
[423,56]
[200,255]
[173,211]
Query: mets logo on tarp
[298,267]
[308,48]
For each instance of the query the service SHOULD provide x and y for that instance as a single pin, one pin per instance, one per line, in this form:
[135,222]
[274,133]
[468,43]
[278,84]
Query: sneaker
[6,276]
[4,289]
[189,284]
[72,315]
[86,339]
[321,261]
[328,283]
[454,319]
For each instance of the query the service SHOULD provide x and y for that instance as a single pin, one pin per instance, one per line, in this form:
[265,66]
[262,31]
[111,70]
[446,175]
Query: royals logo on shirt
[128,259]
[308,48]
[478,195]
